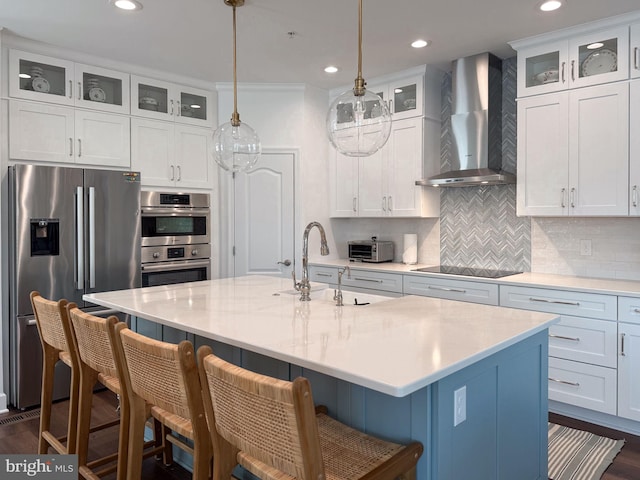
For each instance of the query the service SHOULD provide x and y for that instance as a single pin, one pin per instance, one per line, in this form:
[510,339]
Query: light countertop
[527,279]
[396,346]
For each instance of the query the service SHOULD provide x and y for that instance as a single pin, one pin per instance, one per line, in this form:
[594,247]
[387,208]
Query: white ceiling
[193,37]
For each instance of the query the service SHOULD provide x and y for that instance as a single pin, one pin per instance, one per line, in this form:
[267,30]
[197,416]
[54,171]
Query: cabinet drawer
[562,302]
[389,282]
[629,310]
[582,385]
[584,340]
[475,292]
[323,274]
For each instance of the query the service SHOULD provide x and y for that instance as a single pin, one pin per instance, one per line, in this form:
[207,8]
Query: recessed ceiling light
[128,4]
[550,5]
[595,45]
[420,43]
[331,69]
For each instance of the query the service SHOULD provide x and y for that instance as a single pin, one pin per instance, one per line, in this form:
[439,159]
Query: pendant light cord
[359,88]
[235,117]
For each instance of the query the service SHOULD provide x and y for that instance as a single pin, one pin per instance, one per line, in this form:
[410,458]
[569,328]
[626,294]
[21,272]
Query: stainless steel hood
[476,125]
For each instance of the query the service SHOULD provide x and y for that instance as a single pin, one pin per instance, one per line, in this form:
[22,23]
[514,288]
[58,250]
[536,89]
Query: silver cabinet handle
[286,263]
[70,89]
[79,147]
[573,73]
[171,107]
[636,58]
[319,274]
[622,352]
[372,280]
[557,302]
[354,204]
[563,75]
[562,337]
[384,204]
[557,380]
[179,173]
[636,310]
[179,112]
[564,196]
[391,106]
[573,197]
[79,90]
[634,196]
[70,147]
[173,173]
[390,204]
[445,289]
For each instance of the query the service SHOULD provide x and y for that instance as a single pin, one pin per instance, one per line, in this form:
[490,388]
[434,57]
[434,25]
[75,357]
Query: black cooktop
[468,271]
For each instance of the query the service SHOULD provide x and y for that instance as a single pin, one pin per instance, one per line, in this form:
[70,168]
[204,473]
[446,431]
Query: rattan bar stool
[163,383]
[271,428]
[55,334]
[94,341]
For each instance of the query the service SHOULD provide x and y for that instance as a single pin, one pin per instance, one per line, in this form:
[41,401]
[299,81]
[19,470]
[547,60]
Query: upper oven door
[175,226]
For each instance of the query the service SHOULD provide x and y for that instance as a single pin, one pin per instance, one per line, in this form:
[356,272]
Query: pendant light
[236,146]
[358,121]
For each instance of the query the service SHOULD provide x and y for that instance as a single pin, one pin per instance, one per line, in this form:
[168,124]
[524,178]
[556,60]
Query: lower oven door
[167,273]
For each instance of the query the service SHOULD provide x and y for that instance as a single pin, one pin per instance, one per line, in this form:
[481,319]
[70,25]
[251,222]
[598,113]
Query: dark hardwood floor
[19,434]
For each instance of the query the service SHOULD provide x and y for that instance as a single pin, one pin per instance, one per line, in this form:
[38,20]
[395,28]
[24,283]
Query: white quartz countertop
[396,346]
[542,280]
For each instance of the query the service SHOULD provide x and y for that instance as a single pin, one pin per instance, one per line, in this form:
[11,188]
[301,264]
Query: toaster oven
[371,251]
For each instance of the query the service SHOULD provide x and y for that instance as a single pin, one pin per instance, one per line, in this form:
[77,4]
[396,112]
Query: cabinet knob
[194,252]
[156,255]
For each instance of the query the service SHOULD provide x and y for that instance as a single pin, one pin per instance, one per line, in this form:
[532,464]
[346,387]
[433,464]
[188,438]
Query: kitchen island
[391,368]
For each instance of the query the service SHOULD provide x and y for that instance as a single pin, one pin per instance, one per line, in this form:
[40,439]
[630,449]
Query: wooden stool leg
[49,359]
[74,398]
[87,381]
[137,422]
[167,453]
[123,439]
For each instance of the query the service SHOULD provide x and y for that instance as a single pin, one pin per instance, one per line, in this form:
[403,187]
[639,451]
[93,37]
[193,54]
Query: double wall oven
[176,237]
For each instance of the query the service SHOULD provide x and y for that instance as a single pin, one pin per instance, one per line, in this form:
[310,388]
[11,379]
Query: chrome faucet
[337,296]
[303,286]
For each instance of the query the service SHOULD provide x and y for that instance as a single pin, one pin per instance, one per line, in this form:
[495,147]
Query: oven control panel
[156,254]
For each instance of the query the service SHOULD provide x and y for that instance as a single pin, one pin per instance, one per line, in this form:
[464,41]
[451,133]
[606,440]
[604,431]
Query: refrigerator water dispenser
[45,236]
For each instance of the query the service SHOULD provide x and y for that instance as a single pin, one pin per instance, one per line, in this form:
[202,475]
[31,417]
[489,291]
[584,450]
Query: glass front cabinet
[168,101]
[589,59]
[404,97]
[46,79]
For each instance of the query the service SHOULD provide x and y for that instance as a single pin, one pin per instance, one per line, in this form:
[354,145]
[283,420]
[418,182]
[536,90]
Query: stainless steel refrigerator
[71,231]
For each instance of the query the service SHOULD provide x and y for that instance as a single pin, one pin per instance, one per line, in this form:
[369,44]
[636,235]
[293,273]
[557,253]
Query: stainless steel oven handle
[182,212]
[168,266]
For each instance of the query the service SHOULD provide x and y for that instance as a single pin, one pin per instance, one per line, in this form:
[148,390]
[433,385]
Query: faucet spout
[303,286]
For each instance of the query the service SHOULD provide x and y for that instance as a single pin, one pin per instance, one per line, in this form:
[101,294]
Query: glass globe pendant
[236,146]
[358,121]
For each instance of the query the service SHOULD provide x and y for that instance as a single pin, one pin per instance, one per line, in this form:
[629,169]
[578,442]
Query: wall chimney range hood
[476,125]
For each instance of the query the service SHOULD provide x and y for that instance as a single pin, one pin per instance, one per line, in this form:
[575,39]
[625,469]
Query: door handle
[92,237]
[79,238]
[286,263]
[79,90]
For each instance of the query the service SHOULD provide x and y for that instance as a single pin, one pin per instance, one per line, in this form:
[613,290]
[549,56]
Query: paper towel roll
[410,251]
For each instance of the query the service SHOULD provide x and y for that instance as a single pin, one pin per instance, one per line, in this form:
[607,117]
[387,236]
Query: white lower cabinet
[464,291]
[582,347]
[171,155]
[51,133]
[629,358]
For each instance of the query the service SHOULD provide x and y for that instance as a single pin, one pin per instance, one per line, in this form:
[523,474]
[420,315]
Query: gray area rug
[578,455]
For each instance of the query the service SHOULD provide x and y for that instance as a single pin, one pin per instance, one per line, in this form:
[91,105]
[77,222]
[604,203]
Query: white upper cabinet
[404,97]
[46,79]
[634,43]
[592,58]
[634,148]
[171,155]
[573,156]
[161,100]
[54,133]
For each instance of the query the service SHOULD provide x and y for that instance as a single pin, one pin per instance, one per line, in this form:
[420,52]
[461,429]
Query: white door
[264,217]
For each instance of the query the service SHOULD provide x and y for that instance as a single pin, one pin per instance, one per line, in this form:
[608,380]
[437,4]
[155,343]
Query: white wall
[615,247]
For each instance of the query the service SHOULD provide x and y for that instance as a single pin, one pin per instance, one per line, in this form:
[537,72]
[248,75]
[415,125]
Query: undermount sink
[349,298]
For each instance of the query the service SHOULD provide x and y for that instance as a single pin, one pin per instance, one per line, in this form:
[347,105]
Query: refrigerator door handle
[79,238]
[92,237]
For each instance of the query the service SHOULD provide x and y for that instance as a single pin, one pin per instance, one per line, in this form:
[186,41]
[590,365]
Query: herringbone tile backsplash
[478,225]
